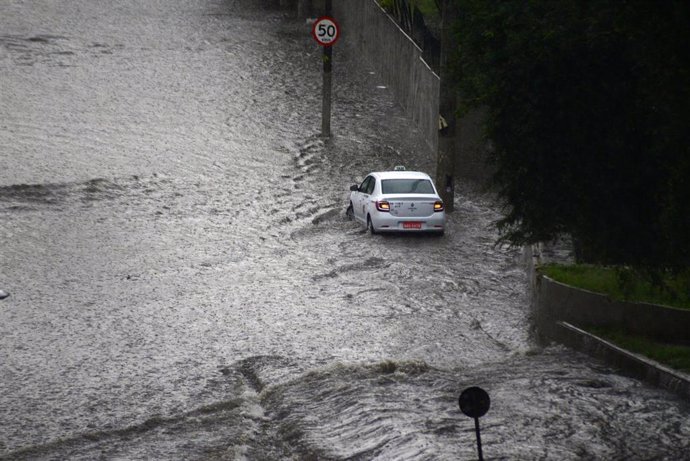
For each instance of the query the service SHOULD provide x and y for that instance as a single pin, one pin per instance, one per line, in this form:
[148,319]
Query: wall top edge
[430,69]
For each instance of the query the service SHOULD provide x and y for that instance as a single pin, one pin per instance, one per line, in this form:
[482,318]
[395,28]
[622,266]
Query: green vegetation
[427,7]
[587,107]
[674,356]
[624,284]
[409,12]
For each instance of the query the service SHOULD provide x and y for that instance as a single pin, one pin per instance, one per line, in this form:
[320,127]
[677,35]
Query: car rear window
[407,186]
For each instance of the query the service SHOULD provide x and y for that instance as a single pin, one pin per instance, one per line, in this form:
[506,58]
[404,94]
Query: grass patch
[624,284]
[672,355]
[428,8]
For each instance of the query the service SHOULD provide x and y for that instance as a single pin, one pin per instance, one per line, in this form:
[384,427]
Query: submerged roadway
[185,284]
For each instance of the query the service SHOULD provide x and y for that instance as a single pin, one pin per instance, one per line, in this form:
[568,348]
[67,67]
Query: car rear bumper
[385,222]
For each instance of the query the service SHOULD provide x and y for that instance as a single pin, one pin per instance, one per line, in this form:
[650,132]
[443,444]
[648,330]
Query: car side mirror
[354,188]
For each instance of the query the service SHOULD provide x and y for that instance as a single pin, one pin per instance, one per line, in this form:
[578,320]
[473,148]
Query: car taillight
[438,206]
[383,206]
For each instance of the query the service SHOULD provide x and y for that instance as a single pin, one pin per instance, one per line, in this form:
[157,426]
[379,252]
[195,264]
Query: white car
[397,201]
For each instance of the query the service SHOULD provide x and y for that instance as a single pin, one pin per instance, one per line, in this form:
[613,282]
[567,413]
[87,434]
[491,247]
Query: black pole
[326,103]
[326,91]
[475,402]
[445,162]
[479,439]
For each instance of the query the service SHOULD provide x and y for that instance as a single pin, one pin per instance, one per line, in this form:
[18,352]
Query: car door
[367,198]
[362,199]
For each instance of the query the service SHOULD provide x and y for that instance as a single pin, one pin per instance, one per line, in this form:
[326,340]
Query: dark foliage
[587,103]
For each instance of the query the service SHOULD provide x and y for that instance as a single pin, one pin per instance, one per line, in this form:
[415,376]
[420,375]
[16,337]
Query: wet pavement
[184,282]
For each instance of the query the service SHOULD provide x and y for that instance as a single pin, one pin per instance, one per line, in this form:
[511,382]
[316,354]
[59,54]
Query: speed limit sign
[325,31]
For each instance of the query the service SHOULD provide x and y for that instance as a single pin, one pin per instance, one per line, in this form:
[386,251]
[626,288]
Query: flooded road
[184,283]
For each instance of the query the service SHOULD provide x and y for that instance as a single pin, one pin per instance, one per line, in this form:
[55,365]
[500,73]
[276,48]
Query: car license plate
[412,225]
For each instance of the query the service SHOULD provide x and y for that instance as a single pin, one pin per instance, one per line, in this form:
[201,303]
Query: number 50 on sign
[325,31]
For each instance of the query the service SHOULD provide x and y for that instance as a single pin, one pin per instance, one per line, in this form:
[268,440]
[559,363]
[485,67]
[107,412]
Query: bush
[587,104]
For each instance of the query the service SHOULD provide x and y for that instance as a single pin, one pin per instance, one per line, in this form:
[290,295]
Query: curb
[635,365]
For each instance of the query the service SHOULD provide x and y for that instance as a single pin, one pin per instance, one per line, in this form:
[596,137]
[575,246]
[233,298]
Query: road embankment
[560,313]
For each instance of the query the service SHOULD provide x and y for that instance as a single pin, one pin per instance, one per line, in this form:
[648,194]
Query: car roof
[400,175]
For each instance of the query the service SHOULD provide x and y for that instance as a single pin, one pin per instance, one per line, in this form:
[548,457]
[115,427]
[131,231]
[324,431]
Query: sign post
[475,402]
[326,32]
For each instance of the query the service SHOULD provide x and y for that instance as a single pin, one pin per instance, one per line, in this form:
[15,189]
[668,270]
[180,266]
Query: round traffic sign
[325,31]
[474,402]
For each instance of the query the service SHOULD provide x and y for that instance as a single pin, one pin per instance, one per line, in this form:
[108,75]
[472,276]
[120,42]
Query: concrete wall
[556,301]
[396,58]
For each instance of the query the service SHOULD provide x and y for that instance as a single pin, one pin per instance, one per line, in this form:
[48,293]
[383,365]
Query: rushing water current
[184,283]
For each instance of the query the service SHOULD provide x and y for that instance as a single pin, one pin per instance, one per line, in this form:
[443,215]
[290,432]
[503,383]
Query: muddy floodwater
[184,283]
